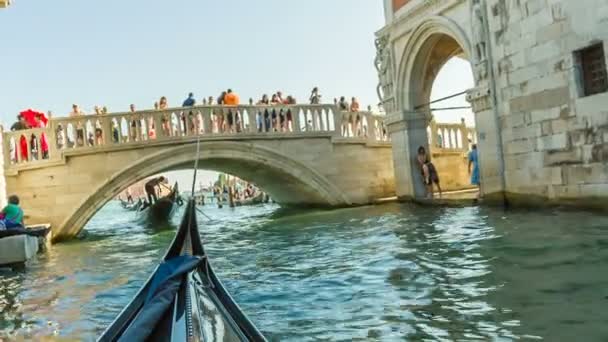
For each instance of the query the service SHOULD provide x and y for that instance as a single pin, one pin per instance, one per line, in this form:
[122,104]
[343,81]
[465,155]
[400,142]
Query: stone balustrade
[45,145]
[451,137]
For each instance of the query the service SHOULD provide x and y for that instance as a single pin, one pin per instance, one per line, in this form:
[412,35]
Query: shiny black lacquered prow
[185,228]
[245,325]
[126,317]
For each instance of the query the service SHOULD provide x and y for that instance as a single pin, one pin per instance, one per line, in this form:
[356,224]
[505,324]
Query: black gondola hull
[201,309]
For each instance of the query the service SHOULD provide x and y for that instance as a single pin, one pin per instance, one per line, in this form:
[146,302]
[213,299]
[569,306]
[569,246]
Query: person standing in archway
[429,173]
[474,161]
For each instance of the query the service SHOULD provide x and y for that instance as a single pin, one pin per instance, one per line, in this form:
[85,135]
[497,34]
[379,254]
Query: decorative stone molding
[401,121]
[416,9]
[384,66]
[479,98]
[478,25]
[480,71]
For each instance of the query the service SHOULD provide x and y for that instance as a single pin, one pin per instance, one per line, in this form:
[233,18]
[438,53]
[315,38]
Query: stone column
[489,164]
[408,132]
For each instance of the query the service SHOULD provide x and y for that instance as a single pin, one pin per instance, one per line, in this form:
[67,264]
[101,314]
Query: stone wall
[555,139]
[452,168]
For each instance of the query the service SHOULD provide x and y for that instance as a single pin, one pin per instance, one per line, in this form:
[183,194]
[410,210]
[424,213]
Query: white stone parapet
[116,130]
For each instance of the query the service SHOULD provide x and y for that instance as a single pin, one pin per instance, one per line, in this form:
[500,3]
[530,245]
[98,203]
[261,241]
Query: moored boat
[163,209]
[131,206]
[183,300]
[257,199]
[19,245]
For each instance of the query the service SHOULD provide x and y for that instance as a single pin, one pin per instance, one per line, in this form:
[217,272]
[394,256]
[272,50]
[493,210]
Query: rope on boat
[200,211]
[198,151]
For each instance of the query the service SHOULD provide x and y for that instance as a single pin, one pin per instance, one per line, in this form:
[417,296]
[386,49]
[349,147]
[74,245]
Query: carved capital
[479,98]
[399,121]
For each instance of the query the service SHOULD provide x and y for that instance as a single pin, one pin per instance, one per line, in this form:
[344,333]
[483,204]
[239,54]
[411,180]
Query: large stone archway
[429,46]
[287,180]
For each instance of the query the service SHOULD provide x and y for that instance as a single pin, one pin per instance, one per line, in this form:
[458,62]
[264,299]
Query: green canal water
[388,273]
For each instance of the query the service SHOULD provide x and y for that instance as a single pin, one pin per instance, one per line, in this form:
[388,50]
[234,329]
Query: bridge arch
[287,180]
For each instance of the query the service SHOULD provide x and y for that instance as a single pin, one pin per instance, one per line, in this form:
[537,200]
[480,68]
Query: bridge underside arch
[286,180]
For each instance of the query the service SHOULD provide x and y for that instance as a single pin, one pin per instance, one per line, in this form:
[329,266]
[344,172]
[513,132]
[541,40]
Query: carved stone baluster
[206,121]
[372,125]
[295,119]
[28,147]
[251,117]
[337,117]
[51,138]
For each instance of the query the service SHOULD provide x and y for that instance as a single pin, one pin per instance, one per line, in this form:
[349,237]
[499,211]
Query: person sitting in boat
[151,186]
[12,215]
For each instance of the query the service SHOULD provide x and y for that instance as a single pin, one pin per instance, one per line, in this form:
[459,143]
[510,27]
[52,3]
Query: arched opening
[218,196]
[451,131]
[437,75]
[286,180]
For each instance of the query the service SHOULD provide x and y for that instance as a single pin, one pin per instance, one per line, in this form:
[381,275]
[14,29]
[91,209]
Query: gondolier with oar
[151,187]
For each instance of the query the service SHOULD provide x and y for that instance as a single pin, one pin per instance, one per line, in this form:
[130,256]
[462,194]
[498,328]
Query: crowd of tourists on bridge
[189,122]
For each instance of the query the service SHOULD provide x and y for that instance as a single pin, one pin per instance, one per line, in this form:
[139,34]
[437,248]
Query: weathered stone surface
[541,100]
[554,158]
[555,142]
[596,173]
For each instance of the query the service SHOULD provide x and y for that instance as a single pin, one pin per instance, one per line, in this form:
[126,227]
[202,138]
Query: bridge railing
[451,137]
[89,132]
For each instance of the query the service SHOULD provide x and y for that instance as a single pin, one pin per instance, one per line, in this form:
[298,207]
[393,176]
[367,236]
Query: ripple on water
[389,273]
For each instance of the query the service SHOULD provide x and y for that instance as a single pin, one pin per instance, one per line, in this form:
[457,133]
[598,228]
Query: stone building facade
[540,97]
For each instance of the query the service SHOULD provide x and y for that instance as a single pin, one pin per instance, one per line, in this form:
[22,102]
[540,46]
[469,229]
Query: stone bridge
[67,171]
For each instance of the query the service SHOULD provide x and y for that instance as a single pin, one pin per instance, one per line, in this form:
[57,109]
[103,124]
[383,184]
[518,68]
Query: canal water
[387,273]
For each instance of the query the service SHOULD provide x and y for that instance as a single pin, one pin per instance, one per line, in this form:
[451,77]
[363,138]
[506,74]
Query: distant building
[4,3]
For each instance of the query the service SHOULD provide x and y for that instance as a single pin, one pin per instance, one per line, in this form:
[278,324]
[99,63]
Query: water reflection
[375,273]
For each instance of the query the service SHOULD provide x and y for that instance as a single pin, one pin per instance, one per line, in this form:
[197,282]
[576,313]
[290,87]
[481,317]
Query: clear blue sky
[117,52]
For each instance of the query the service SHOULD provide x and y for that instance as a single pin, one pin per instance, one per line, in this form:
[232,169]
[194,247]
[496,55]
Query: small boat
[257,199]
[163,209]
[19,245]
[131,206]
[183,300]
